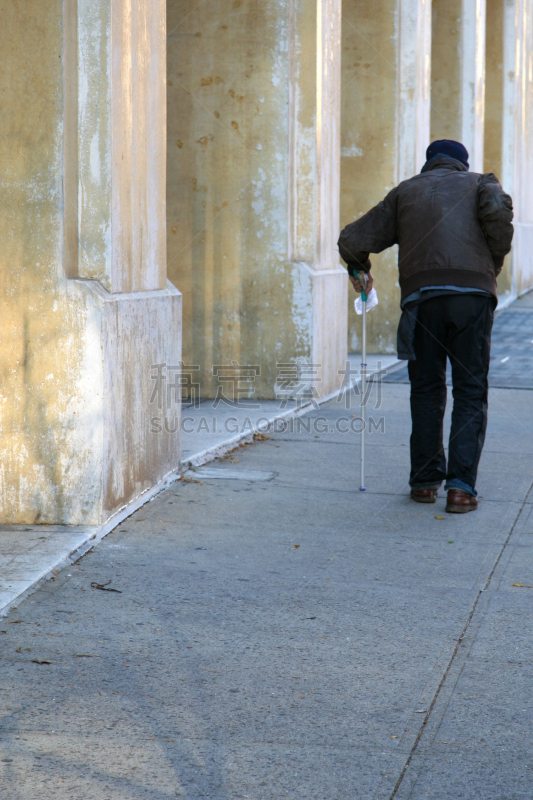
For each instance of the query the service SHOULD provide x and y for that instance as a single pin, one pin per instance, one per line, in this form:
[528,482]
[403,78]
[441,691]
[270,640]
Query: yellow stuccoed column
[386,51]
[458,75]
[314,187]
[493,151]
[492,154]
[253,187]
[517,136]
[86,309]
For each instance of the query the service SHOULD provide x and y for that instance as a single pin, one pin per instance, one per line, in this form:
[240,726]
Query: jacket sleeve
[372,233]
[495,212]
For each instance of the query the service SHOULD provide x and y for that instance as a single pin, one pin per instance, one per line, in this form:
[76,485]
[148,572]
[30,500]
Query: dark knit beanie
[447,147]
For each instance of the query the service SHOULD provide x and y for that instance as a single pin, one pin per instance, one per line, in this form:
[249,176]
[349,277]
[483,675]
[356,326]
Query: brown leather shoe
[460,502]
[424,495]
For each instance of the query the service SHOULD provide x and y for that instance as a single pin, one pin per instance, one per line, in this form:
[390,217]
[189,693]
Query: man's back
[452,227]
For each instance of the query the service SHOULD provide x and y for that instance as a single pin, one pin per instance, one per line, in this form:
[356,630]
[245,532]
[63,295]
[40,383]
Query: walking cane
[363,280]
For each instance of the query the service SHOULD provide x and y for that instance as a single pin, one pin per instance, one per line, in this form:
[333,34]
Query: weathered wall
[493,135]
[368,148]
[517,161]
[40,359]
[446,70]
[494,87]
[226,183]
[237,101]
[458,74]
[75,359]
[384,130]
[122,137]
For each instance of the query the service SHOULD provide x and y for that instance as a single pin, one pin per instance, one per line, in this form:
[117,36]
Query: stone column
[458,75]
[494,87]
[253,182]
[87,309]
[386,57]
[414,71]
[494,114]
[517,136]
[314,181]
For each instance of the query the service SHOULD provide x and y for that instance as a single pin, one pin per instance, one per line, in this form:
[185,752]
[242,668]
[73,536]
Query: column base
[98,449]
[322,312]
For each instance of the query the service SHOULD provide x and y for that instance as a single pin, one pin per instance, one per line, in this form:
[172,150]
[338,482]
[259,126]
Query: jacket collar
[443,162]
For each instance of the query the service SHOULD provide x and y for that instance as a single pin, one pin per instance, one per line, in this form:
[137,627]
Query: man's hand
[357,284]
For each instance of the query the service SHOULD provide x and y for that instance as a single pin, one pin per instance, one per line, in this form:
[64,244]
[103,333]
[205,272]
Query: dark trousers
[457,326]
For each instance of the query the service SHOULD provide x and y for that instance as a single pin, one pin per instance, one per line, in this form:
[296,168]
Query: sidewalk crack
[456,650]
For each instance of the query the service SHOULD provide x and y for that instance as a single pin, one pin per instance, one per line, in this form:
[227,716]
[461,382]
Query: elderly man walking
[453,228]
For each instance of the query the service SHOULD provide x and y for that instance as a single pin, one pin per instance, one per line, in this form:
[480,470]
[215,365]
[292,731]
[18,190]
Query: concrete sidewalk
[32,553]
[280,634]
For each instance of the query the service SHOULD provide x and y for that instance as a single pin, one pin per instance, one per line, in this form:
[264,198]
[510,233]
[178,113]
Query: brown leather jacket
[453,227]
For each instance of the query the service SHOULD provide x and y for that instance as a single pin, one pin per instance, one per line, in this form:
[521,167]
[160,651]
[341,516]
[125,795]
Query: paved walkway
[276,633]
[30,553]
[212,428]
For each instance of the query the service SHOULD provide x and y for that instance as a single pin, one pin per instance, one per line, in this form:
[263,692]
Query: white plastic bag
[371,301]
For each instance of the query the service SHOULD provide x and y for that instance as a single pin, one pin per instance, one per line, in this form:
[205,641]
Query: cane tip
[362,488]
